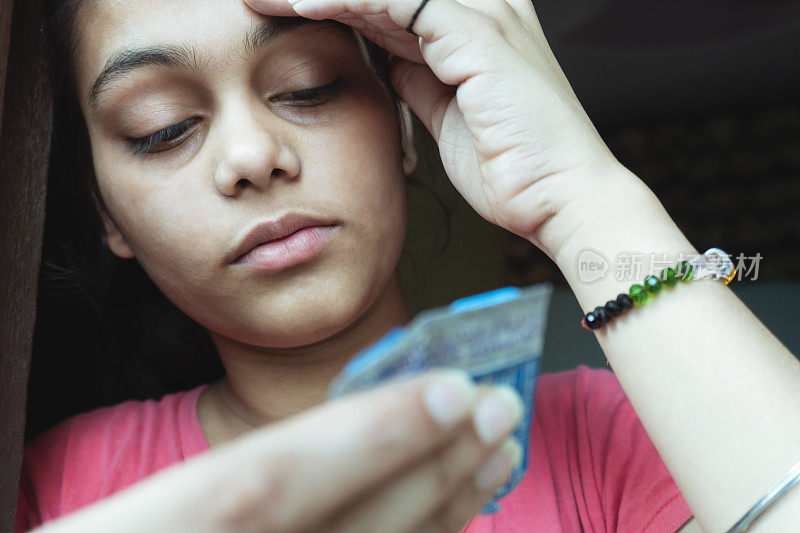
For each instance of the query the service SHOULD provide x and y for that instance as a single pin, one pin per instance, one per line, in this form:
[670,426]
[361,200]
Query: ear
[407,139]
[116,241]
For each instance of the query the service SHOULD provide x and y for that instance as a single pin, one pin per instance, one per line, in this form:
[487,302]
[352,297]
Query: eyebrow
[185,57]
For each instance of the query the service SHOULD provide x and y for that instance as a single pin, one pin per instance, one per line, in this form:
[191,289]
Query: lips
[272,230]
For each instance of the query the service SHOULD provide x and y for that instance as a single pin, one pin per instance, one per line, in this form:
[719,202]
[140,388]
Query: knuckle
[496,24]
[497,28]
[489,18]
[488,25]
[363,6]
[501,190]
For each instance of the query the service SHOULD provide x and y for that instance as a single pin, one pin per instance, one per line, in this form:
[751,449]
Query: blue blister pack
[496,337]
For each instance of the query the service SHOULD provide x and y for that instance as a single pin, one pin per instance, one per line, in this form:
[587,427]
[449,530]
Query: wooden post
[26,115]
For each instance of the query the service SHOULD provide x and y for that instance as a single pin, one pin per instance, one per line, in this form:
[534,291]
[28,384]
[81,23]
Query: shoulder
[92,455]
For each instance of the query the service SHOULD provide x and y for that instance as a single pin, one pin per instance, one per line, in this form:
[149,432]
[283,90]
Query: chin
[299,324]
[307,310]
[296,335]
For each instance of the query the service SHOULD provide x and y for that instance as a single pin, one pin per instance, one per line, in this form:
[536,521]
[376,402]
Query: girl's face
[245,150]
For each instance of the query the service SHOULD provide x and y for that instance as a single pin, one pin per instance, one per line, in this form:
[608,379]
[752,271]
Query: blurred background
[701,99]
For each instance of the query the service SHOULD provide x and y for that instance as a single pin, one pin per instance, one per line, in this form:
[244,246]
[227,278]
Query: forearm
[718,394]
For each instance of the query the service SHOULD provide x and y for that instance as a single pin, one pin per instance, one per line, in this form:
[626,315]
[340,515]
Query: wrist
[594,235]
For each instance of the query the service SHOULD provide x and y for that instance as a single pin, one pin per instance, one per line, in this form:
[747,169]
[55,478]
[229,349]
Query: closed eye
[172,136]
[315,95]
[162,140]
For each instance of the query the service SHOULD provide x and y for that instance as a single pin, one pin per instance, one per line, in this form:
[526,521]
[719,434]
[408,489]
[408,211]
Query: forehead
[216,30]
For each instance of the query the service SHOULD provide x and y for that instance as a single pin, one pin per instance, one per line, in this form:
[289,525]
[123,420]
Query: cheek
[369,177]
[375,196]
[167,226]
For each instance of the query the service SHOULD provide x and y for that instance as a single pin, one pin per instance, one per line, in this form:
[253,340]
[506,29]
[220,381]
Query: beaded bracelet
[713,263]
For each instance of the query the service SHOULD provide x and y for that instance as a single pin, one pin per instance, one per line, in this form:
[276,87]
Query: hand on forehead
[230,30]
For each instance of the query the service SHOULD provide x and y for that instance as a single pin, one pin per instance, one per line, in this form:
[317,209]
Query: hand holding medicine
[716,392]
[421,454]
[698,367]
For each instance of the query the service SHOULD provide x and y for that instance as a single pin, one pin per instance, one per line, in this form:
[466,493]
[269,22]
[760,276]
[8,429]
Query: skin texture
[516,143]
[282,336]
[253,155]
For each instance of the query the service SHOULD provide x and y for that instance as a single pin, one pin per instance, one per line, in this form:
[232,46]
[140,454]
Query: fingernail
[305,3]
[498,413]
[450,396]
[498,467]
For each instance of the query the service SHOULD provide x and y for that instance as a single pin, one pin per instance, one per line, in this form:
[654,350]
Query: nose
[256,148]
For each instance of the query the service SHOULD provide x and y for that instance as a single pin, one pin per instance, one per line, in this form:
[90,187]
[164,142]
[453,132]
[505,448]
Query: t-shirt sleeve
[92,455]
[27,518]
[42,464]
[636,491]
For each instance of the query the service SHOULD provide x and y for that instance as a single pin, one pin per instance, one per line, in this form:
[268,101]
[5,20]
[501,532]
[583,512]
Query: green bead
[684,271]
[638,294]
[668,277]
[652,284]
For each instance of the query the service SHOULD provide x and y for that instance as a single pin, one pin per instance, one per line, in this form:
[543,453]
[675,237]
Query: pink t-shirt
[592,466]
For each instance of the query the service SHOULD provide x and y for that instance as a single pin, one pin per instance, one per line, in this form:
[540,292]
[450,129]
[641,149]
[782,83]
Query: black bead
[601,314]
[613,308]
[624,300]
[591,321]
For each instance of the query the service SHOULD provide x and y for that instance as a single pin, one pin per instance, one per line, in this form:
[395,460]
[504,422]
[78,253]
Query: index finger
[401,12]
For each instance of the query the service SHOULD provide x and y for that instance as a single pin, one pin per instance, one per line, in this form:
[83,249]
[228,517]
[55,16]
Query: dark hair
[104,332]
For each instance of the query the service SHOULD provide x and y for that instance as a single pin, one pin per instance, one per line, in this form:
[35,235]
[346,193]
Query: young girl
[218,126]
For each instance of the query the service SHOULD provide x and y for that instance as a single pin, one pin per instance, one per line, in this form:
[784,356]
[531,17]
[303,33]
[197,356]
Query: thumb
[426,95]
